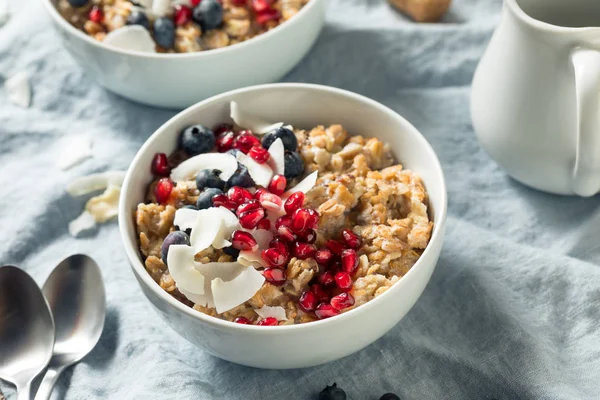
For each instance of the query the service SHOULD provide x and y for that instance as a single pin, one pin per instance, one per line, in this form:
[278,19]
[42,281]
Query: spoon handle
[24,392]
[48,383]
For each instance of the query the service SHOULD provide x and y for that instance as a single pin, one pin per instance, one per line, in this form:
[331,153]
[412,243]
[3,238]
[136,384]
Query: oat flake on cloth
[513,308]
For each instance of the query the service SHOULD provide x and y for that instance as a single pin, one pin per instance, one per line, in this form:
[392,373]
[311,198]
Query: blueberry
[389,396]
[287,137]
[177,237]
[294,165]
[138,18]
[332,393]
[197,139]
[78,3]
[205,199]
[232,252]
[241,178]
[164,32]
[209,178]
[208,14]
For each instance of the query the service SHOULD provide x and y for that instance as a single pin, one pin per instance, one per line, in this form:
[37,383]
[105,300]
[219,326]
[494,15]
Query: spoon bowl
[26,329]
[76,296]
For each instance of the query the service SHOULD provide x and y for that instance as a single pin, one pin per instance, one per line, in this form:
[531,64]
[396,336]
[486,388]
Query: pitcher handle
[586,171]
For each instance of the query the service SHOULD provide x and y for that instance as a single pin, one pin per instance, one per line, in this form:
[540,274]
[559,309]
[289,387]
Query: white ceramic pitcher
[536,95]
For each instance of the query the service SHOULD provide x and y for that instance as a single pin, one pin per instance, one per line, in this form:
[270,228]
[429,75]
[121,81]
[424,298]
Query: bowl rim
[295,20]
[132,249]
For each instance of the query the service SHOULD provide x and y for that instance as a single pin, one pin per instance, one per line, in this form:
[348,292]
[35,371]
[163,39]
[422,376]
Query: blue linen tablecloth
[512,310]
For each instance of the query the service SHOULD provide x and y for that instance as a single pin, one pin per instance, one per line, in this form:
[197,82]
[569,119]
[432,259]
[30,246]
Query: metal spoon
[75,292]
[26,330]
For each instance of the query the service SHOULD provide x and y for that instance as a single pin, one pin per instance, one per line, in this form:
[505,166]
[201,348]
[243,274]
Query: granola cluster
[359,187]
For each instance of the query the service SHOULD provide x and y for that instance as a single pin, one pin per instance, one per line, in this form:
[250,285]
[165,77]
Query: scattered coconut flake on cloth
[131,37]
[75,149]
[82,223]
[91,183]
[249,121]
[18,90]
[4,14]
[276,312]
[105,206]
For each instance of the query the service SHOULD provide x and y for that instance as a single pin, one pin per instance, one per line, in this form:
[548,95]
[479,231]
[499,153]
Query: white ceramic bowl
[179,80]
[303,106]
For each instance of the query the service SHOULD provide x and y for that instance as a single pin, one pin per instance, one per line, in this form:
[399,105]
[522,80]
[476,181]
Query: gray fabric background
[512,310]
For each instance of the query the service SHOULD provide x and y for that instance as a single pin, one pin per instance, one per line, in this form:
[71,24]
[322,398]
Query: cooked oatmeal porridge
[272,225]
[180,26]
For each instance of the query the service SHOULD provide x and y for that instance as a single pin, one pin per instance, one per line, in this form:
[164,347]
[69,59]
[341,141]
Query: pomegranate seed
[160,165]
[163,190]
[335,246]
[264,224]
[259,192]
[269,321]
[249,219]
[349,261]
[286,233]
[309,236]
[274,258]
[351,239]
[321,294]
[225,141]
[325,310]
[268,15]
[183,15]
[308,301]
[270,201]
[221,200]
[277,185]
[243,241]
[302,220]
[323,256]
[284,220]
[96,15]
[336,267]
[279,244]
[260,5]
[195,2]
[251,205]
[275,276]
[343,280]
[313,218]
[239,195]
[294,202]
[327,278]
[245,141]
[303,250]
[242,320]
[342,300]
[239,3]
[222,128]
[259,154]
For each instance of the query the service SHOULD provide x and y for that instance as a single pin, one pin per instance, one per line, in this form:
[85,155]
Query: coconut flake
[185,218]
[4,14]
[104,206]
[277,159]
[249,257]
[160,8]
[229,224]
[275,312]
[304,186]
[131,37]
[84,222]
[226,163]
[91,183]
[261,174]
[210,271]
[262,237]
[182,267]
[227,295]
[206,228]
[255,124]
[18,90]
[76,149]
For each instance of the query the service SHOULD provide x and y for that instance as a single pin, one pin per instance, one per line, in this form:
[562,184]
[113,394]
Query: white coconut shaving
[261,174]
[262,237]
[82,223]
[249,121]
[185,218]
[91,183]
[160,8]
[212,227]
[229,224]
[18,90]
[274,312]
[277,157]
[104,206]
[249,257]
[227,295]
[74,150]
[4,13]
[182,267]
[226,163]
[303,186]
[131,37]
